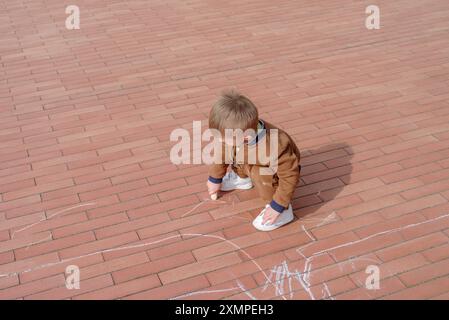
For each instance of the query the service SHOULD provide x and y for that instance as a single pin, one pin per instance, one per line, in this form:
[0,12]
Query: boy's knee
[240,171]
[265,188]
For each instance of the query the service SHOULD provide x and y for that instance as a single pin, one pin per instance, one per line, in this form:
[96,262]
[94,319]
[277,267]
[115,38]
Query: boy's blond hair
[233,110]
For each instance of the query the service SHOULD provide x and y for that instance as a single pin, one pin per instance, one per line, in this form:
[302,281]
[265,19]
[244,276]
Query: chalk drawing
[329,218]
[328,250]
[308,233]
[134,247]
[200,204]
[283,278]
[49,237]
[281,272]
[124,247]
[51,216]
[381,233]
[326,292]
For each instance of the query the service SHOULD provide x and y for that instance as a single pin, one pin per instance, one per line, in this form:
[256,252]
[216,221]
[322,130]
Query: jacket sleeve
[288,174]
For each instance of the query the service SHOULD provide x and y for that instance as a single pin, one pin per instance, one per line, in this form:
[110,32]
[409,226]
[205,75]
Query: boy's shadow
[325,172]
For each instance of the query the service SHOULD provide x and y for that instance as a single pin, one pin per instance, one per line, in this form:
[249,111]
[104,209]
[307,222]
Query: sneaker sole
[244,187]
[271,228]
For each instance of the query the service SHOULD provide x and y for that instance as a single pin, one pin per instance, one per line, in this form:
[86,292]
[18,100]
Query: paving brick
[369,173]
[369,206]
[388,286]
[8,282]
[33,287]
[172,225]
[391,188]
[123,289]
[364,246]
[62,292]
[118,228]
[91,224]
[338,227]
[413,245]
[237,208]
[221,291]
[425,273]
[99,245]
[437,253]
[231,245]
[412,206]
[20,266]
[409,144]
[225,224]
[425,190]
[108,190]
[172,290]
[49,245]
[26,191]
[411,154]
[426,290]
[154,206]
[394,267]
[57,267]
[245,268]
[129,206]
[7,257]
[137,270]
[429,226]
[197,268]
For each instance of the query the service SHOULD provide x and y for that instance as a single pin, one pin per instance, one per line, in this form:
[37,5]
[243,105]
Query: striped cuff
[276,206]
[215,180]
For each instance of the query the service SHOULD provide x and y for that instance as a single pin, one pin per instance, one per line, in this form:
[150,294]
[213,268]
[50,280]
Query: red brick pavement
[85,175]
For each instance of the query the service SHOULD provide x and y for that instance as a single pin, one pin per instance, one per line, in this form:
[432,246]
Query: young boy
[235,111]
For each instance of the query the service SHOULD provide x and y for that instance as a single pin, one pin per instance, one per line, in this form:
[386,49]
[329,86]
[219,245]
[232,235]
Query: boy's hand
[213,188]
[270,216]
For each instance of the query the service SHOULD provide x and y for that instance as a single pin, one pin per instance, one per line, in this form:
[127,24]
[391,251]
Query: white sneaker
[285,217]
[232,181]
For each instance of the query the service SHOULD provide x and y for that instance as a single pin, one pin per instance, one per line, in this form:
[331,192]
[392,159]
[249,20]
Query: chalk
[214,196]
[51,216]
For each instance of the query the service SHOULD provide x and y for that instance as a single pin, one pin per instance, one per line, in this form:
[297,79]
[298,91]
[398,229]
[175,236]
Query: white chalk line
[134,247]
[200,204]
[327,291]
[328,250]
[49,237]
[218,237]
[308,233]
[209,200]
[329,218]
[278,289]
[51,216]
[303,279]
[131,247]
[381,233]
[245,291]
[282,273]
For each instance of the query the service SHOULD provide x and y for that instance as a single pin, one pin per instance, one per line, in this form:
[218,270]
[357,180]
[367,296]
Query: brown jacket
[285,178]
